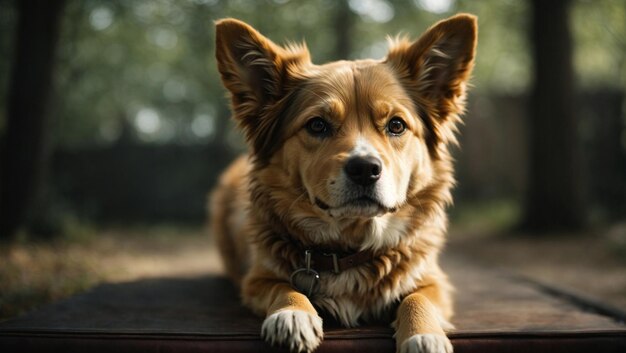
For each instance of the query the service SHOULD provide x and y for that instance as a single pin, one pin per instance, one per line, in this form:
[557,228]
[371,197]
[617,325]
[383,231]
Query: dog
[339,209]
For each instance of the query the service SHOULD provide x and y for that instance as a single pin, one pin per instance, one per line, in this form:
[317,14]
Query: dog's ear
[255,71]
[435,69]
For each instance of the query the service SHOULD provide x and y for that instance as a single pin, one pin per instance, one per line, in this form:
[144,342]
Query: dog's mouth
[363,206]
[321,204]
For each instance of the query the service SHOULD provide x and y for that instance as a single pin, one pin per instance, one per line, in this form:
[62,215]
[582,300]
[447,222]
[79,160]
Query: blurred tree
[344,20]
[141,74]
[24,151]
[7,28]
[555,191]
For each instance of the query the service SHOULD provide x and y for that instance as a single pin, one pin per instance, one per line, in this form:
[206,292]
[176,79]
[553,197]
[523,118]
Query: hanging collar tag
[306,280]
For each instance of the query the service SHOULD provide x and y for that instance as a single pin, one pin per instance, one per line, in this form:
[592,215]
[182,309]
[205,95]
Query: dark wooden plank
[492,302]
[494,311]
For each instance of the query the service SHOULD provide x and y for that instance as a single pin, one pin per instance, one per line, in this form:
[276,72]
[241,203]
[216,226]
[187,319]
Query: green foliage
[137,63]
[145,70]
[599,30]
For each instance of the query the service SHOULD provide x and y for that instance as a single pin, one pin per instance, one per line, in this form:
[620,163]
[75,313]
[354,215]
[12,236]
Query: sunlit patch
[435,6]
[375,10]
[101,18]
[203,125]
[163,37]
[148,121]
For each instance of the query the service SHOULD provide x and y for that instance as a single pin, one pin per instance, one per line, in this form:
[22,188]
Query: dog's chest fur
[404,258]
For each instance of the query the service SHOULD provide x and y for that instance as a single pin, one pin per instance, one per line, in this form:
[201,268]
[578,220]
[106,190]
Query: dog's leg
[291,320]
[420,323]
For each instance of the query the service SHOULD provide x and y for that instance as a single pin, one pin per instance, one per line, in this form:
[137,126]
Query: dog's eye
[317,126]
[396,126]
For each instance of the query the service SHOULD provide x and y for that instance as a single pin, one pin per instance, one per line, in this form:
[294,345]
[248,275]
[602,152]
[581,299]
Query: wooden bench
[495,313]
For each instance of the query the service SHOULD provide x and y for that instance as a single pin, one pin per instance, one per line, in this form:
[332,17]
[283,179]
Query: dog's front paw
[426,343]
[297,330]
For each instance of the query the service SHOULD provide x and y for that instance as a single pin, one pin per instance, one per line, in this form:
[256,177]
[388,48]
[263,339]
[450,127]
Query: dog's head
[348,140]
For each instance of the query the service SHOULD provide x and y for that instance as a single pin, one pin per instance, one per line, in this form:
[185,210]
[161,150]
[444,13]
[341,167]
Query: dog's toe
[297,330]
[426,343]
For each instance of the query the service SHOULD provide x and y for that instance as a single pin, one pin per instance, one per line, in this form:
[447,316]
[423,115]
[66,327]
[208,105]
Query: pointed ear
[435,69]
[253,69]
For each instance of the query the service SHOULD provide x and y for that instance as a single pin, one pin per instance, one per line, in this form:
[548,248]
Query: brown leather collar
[328,261]
[306,279]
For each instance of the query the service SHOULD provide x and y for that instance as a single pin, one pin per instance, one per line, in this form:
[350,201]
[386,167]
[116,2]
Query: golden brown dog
[340,205]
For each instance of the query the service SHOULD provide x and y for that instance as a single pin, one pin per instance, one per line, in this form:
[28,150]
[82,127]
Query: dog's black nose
[364,170]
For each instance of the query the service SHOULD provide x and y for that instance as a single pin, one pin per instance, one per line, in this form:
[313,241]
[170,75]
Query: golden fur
[292,193]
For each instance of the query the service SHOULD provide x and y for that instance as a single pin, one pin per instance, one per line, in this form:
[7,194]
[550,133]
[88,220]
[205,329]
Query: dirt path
[32,274]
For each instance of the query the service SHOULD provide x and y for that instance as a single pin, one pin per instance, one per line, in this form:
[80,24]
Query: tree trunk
[342,26]
[555,194]
[23,153]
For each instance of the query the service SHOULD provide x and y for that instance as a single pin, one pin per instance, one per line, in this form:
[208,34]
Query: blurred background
[114,126]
